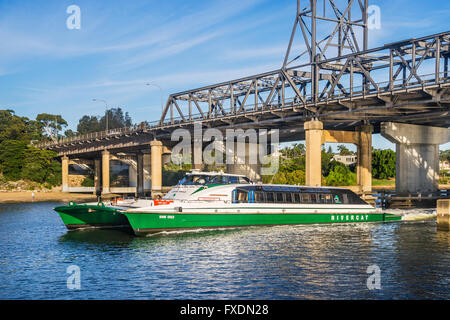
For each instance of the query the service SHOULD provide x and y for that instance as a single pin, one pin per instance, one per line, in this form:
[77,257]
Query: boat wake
[414,214]
[197,230]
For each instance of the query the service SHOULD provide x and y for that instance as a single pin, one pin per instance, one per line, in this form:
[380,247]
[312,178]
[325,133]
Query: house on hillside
[347,160]
[444,165]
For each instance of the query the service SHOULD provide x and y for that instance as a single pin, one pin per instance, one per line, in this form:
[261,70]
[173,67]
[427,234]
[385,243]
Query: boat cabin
[294,195]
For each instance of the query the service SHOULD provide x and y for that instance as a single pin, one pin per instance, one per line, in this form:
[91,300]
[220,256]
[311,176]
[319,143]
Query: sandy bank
[26,196]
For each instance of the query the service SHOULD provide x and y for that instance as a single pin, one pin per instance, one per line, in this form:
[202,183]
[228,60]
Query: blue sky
[178,45]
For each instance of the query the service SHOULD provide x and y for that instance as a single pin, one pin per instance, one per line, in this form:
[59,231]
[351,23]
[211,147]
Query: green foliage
[444,177]
[88,124]
[297,150]
[172,174]
[444,155]
[344,151]
[296,177]
[18,160]
[12,158]
[116,119]
[340,175]
[383,164]
[51,124]
[88,182]
[326,160]
[333,164]
[69,133]
[13,127]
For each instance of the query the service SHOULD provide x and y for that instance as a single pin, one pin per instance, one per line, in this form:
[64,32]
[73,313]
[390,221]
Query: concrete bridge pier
[105,172]
[197,153]
[314,141]
[364,158]
[140,174]
[65,173]
[316,137]
[156,168]
[97,176]
[417,155]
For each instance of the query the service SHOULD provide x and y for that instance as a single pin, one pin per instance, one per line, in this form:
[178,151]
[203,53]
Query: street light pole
[161,93]
[106,111]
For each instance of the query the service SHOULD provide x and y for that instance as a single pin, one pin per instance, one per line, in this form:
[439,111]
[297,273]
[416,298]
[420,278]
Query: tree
[18,160]
[115,116]
[88,124]
[294,177]
[444,155]
[51,124]
[343,150]
[340,176]
[116,119]
[69,133]
[12,158]
[383,164]
[326,159]
[13,127]
[40,166]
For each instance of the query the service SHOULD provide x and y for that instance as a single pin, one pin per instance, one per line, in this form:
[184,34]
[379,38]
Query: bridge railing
[97,135]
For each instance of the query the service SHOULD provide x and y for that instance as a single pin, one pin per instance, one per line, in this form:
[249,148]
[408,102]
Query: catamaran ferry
[219,200]
[212,200]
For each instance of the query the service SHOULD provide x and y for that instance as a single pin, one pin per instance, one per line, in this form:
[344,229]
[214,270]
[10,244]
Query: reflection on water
[282,262]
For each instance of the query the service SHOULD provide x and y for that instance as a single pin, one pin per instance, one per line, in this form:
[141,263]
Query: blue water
[283,262]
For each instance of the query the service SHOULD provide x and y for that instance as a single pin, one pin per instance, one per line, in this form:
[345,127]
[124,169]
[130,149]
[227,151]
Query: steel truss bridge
[342,83]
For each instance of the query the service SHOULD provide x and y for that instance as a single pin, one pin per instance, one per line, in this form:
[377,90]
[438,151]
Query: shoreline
[50,196]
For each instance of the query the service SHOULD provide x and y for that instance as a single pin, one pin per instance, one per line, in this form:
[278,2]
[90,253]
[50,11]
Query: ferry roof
[214,173]
[289,188]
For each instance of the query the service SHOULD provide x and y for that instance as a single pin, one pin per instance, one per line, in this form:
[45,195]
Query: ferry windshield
[198,180]
[194,180]
[229,180]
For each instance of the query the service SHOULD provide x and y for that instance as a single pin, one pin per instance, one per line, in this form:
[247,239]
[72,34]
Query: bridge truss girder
[405,65]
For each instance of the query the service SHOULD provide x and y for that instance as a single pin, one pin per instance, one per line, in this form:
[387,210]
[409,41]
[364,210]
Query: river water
[412,260]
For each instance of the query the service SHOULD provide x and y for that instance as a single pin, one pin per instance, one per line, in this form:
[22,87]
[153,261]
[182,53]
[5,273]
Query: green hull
[84,216]
[145,223]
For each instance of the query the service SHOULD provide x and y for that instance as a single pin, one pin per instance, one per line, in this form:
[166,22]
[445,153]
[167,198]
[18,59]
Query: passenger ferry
[218,200]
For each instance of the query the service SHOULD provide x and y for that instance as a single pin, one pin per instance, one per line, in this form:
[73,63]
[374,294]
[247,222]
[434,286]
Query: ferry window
[328,198]
[345,198]
[279,196]
[288,197]
[233,180]
[218,180]
[269,197]
[354,199]
[304,197]
[322,198]
[190,180]
[313,198]
[296,197]
[259,197]
[242,196]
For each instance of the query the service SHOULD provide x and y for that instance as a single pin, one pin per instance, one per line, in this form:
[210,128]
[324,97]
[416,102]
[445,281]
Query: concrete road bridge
[343,92]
